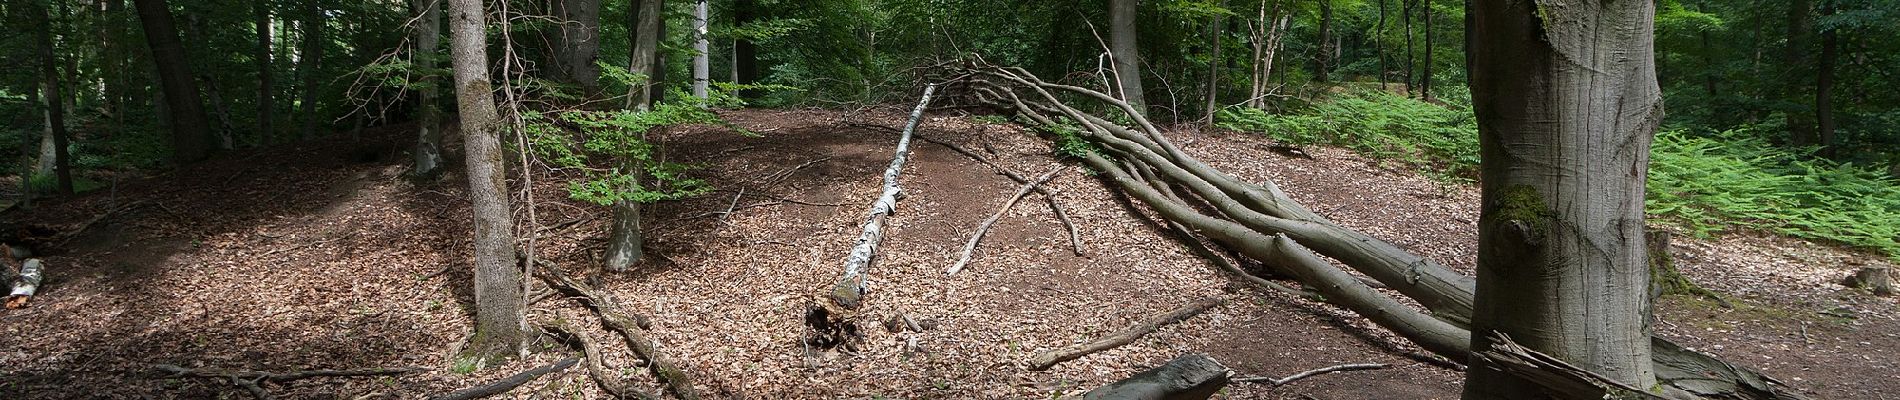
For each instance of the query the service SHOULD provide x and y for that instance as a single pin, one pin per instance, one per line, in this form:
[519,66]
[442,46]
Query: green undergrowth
[1705,184]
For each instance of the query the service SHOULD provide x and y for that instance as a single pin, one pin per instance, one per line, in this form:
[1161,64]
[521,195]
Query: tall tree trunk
[579,43]
[702,74]
[265,110]
[1127,55]
[1795,55]
[1567,103]
[194,31]
[55,102]
[428,151]
[115,65]
[187,113]
[1322,64]
[312,62]
[745,54]
[1425,79]
[1213,68]
[1405,17]
[1824,84]
[644,59]
[1379,42]
[498,300]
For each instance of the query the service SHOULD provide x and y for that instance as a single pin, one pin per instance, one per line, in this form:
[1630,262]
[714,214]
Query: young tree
[265,110]
[55,99]
[1122,47]
[312,60]
[702,74]
[499,329]
[428,153]
[1567,101]
[187,112]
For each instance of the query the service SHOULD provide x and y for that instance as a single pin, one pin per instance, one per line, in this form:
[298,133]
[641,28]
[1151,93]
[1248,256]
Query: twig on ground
[252,381]
[970,247]
[1051,358]
[1308,374]
[1075,235]
[509,383]
[782,174]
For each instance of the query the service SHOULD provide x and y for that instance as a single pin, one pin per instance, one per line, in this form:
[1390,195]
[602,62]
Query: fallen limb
[829,313]
[1051,358]
[252,381]
[1308,374]
[1188,377]
[970,248]
[506,384]
[631,330]
[596,368]
[1075,235]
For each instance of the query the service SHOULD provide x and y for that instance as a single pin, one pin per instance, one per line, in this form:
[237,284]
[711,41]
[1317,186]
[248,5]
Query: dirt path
[324,257]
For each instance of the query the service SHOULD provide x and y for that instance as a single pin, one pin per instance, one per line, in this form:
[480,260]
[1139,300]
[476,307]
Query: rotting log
[969,249]
[1051,358]
[1878,280]
[830,311]
[1188,377]
[506,384]
[1258,220]
[28,283]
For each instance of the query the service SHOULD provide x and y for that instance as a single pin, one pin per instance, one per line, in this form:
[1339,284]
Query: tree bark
[579,43]
[1124,50]
[312,61]
[56,134]
[625,243]
[499,329]
[1567,102]
[428,152]
[265,110]
[1824,84]
[644,59]
[702,71]
[186,110]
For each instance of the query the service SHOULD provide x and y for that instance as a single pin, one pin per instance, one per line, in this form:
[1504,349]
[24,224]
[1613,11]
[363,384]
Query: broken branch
[1051,358]
[632,330]
[970,248]
[1308,374]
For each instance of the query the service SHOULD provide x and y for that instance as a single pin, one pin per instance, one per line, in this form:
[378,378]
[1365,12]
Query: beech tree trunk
[55,104]
[702,71]
[1567,102]
[645,56]
[312,60]
[185,109]
[499,329]
[1124,50]
[265,110]
[428,152]
[579,43]
[625,243]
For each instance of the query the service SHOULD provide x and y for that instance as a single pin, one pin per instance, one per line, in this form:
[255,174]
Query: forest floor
[322,255]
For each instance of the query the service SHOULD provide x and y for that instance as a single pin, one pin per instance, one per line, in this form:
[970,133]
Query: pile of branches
[1256,219]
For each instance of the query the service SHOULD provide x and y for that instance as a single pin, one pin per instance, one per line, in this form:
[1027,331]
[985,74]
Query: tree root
[506,384]
[596,368]
[253,381]
[1051,358]
[630,330]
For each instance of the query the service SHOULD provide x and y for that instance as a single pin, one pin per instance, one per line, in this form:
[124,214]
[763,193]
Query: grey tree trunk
[428,152]
[645,56]
[1213,68]
[498,301]
[625,244]
[579,43]
[1127,55]
[702,77]
[312,60]
[265,110]
[1567,102]
[61,162]
[186,110]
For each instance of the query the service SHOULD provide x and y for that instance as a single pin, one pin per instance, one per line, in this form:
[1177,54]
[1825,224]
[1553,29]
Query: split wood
[1051,358]
[595,364]
[506,384]
[970,248]
[631,330]
[1309,373]
[252,381]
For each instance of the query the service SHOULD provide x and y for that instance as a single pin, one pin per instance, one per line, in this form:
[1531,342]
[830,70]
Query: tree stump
[1878,280]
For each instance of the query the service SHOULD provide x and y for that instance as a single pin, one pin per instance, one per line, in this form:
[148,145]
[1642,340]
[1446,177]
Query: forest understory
[322,255]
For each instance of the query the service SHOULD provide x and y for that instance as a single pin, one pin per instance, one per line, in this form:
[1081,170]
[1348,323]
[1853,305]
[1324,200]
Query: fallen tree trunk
[830,312]
[1188,377]
[1051,358]
[1259,220]
[28,284]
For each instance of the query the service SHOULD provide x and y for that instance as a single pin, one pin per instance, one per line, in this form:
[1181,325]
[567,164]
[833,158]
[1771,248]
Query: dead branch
[252,381]
[614,386]
[1075,235]
[970,248]
[506,384]
[1051,358]
[632,330]
[1308,374]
